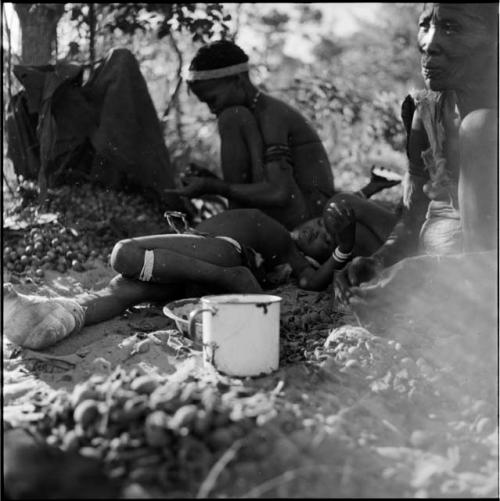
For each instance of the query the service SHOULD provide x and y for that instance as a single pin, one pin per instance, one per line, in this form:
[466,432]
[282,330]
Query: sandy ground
[98,348]
[388,413]
[102,347]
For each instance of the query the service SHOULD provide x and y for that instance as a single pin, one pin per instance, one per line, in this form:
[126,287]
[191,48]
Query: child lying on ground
[230,252]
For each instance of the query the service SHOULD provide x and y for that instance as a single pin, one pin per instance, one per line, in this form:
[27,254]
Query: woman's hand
[194,187]
[340,222]
[359,270]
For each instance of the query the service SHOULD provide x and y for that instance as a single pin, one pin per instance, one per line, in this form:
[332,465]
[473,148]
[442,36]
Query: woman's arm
[274,191]
[403,240]
[242,163]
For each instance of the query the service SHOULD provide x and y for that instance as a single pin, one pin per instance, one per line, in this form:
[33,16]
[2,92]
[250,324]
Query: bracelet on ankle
[341,257]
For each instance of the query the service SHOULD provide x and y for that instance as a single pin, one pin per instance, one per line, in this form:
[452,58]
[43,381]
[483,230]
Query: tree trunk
[38,26]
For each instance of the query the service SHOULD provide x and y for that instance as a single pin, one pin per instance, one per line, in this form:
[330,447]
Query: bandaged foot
[39,322]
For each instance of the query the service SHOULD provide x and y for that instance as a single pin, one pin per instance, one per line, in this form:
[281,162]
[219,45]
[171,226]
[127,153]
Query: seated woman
[451,197]
[271,156]
[230,252]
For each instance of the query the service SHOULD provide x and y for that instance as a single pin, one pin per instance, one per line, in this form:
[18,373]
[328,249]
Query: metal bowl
[179,312]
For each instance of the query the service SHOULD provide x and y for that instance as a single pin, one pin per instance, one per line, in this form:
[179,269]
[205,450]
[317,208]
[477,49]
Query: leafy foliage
[202,21]
[351,90]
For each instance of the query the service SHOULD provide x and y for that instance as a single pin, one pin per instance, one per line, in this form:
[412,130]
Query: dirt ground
[347,414]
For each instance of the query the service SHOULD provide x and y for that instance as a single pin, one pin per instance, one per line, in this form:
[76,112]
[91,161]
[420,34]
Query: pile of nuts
[51,246]
[148,429]
[87,222]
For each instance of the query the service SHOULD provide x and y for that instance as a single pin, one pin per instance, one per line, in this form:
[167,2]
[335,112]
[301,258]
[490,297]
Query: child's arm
[339,220]
[308,277]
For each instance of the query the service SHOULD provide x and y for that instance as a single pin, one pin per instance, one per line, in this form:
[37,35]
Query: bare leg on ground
[122,293]
[185,259]
[37,322]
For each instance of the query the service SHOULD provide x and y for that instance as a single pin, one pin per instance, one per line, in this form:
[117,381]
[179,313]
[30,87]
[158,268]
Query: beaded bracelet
[341,257]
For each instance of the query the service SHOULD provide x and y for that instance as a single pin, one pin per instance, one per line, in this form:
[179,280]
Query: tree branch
[239,7]
[174,100]
[180,63]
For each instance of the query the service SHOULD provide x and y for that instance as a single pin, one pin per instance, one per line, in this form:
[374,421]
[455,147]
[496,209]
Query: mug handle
[192,316]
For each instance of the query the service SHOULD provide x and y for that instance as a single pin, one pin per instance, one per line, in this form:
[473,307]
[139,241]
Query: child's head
[216,75]
[313,239]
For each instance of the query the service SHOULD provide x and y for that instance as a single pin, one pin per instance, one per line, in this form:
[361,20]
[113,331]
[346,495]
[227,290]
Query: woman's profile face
[313,239]
[455,45]
[218,94]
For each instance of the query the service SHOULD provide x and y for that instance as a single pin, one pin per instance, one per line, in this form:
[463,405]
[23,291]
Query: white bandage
[191,76]
[147,267]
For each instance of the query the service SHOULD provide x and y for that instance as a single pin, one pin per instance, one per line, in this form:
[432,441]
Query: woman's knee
[233,118]
[126,257]
[478,138]
[480,119]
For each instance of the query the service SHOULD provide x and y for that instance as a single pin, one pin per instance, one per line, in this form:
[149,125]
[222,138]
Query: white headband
[228,71]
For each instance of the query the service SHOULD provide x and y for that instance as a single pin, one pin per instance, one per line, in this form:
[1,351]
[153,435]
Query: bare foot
[380,179]
[38,322]
[384,178]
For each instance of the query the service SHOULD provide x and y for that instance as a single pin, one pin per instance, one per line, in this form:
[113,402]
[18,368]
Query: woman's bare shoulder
[280,115]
